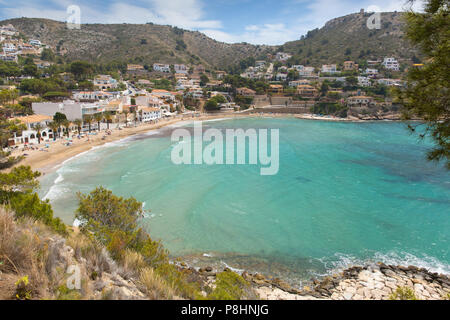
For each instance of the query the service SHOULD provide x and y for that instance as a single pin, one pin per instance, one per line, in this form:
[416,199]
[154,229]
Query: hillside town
[53,98]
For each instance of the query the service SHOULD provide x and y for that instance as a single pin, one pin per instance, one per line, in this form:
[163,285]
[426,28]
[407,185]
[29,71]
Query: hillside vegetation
[139,43]
[340,39]
[349,38]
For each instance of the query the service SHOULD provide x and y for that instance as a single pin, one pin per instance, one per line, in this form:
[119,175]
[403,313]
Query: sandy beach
[45,161]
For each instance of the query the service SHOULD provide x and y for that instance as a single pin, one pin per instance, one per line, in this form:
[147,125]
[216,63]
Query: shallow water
[345,193]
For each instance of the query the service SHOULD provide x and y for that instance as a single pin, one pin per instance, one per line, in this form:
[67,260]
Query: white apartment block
[161,67]
[391,64]
[73,110]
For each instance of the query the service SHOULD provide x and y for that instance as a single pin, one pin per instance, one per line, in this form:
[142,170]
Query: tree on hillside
[427,93]
[81,69]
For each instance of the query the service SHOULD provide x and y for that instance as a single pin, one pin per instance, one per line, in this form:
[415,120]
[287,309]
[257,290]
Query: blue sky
[254,21]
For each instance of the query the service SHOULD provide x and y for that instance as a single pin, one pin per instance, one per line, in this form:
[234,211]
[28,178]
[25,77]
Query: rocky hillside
[348,37]
[342,38]
[139,43]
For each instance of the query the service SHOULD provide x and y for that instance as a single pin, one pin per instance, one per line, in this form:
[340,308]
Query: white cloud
[317,14]
[183,13]
[190,14]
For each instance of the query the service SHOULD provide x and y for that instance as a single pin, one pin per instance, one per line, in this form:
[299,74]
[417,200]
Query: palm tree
[98,117]
[66,124]
[134,117]
[108,119]
[125,112]
[78,123]
[54,126]
[38,127]
[88,119]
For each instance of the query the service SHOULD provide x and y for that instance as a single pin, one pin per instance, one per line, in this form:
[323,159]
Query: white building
[147,114]
[180,68]
[329,68]
[391,82]
[391,64]
[9,47]
[281,56]
[105,81]
[161,67]
[364,82]
[73,110]
[8,30]
[371,72]
[30,135]
[281,77]
[35,42]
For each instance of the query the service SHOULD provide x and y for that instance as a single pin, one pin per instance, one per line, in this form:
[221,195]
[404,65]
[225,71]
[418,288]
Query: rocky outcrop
[371,282]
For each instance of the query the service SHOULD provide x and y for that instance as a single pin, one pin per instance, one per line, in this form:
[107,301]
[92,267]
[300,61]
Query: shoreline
[47,161]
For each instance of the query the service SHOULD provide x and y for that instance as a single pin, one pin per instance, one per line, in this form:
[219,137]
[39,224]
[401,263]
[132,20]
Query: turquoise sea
[345,193]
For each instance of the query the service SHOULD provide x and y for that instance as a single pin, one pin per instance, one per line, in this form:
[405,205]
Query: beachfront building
[147,114]
[73,110]
[161,67]
[30,134]
[391,64]
[104,82]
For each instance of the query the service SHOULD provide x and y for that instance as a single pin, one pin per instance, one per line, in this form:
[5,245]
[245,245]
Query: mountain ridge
[342,38]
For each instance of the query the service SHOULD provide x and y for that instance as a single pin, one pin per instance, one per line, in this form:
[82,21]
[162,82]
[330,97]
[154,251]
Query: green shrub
[229,286]
[64,293]
[403,293]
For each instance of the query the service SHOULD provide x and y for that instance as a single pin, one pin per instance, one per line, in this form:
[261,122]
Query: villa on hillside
[276,89]
[180,68]
[329,68]
[105,82]
[391,64]
[350,65]
[363,101]
[246,92]
[306,91]
[160,67]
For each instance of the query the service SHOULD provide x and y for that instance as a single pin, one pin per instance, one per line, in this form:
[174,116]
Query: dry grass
[23,251]
[132,263]
[154,286]
[96,256]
